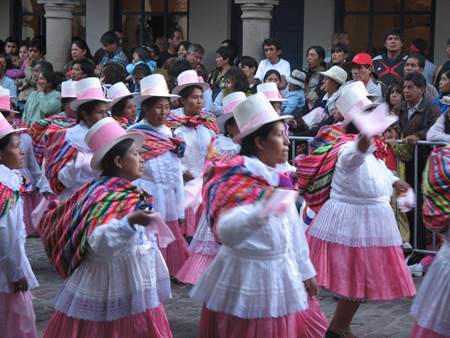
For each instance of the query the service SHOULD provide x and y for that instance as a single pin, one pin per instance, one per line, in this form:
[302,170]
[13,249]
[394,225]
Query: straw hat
[68,89]
[5,100]
[270,90]
[336,73]
[297,78]
[153,85]
[353,99]
[6,128]
[254,112]
[229,103]
[104,135]
[88,89]
[189,78]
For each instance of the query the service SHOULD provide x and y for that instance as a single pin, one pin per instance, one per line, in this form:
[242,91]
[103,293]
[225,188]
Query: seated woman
[122,106]
[440,130]
[444,90]
[115,276]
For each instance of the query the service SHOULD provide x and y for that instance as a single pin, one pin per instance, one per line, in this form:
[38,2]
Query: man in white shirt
[272,50]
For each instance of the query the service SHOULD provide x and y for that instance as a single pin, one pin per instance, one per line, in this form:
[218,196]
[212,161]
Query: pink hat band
[189,78]
[104,135]
[229,107]
[5,128]
[357,106]
[272,95]
[94,93]
[155,91]
[258,119]
[5,102]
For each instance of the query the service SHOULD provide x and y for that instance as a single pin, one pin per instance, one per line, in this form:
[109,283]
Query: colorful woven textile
[436,190]
[39,129]
[326,135]
[9,197]
[65,230]
[122,121]
[156,144]
[57,153]
[203,119]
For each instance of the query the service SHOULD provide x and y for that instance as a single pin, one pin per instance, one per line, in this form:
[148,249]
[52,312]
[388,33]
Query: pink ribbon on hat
[5,102]
[272,95]
[229,107]
[255,121]
[5,127]
[104,135]
[95,93]
[357,106]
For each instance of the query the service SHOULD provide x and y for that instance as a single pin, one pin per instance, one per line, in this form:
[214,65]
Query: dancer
[162,154]
[430,308]
[122,106]
[115,275]
[17,318]
[253,288]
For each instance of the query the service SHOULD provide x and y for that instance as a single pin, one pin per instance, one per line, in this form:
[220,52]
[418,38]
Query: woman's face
[77,53]
[274,78]
[444,84]
[42,82]
[181,51]
[329,85]
[12,155]
[312,59]
[275,148]
[136,57]
[129,111]
[77,72]
[99,112]
[338,57]
[131,165]
[23,52]
[193,104]
[220,62]
[395,98]
[157,114]
[229,85]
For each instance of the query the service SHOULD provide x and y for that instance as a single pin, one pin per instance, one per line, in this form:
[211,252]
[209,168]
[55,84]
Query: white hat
[270,90]
[6,128]
[68,89]
[5,100]
[298,78]
[104,135]
[336,73]
[189,78]
[353,99]
[253,113]
[153,85]
[446,100]
[88,89]
[117,92]
[229,103]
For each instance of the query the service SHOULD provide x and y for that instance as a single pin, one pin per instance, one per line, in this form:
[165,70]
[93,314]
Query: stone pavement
[374,320]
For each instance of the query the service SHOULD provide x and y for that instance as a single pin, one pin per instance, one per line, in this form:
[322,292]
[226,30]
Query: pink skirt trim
[191,221]
[30,202]
[17,318]
[152,323]
[421,332]
[371,273]
[176,252]
[194,268]
[306,324]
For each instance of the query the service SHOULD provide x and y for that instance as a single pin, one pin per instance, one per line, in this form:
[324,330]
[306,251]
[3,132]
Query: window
[143,21]
[368,20]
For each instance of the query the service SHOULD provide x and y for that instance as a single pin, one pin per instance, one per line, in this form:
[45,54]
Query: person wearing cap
[66,155]
[262,282]
[271,92]
[362,68]
[115,275]
[196,128]
[204,246]
[122,106]
[355,226]
[162,154]
[16,277]
[295,98]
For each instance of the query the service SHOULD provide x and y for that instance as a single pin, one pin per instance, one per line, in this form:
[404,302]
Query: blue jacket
[295,102]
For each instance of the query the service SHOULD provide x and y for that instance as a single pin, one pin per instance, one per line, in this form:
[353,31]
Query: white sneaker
[416,270]
[407,246]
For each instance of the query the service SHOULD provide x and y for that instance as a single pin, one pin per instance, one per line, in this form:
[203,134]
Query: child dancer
[115,275]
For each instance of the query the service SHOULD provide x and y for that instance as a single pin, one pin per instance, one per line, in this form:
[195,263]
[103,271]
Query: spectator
[362,69]
[174,38]
[182,49]
[45,101]
[444,67]
[440,131]
[23,51]
[194,56]
[340,56]
[112,73]
[273,75]
[315,56]
[420,46]
[11,45]
[231,44]
[113,52]
[389,66]
[273,60]
[224,60]
[416,63]
[161,43]
[5,81]
[444,90]
[14,67]
[141,55]
[37,49]
[79,50]
[81,69]
[234,81]
[140,71]
[27,85]
[249,66]
[394,95]
[295,98]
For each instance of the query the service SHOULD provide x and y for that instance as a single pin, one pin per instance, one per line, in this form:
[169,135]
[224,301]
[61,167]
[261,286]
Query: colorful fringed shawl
[9,197]
[229,184]
[57,154]
[39,129]
[157,144]
[203,119]
[66,229]
[436,190]
[122,121]
[326,135]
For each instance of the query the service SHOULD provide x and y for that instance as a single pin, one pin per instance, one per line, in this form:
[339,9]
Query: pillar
[256,17]
[58,19]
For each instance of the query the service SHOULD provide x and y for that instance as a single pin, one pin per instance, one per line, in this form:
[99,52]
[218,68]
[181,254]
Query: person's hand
[141,217]
[411,139]
[20,286]
[401,187]
[187,176]
[364,143]
[311,287]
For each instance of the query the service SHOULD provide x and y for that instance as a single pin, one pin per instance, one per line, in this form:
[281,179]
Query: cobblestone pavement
[374,320]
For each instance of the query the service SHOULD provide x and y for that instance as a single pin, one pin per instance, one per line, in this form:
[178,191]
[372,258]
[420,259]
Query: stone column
[256,18]
[58,19]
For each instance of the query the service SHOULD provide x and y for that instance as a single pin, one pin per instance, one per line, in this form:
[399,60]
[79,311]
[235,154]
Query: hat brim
[295,82]
[222,119]
[277,100]
[332,77]
[77,103]
[238,138]
[115,101]
[96,160]
[18,130]
[141,98]
[177,90]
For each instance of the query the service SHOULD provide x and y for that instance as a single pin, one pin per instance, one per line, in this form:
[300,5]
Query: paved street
[373,320]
